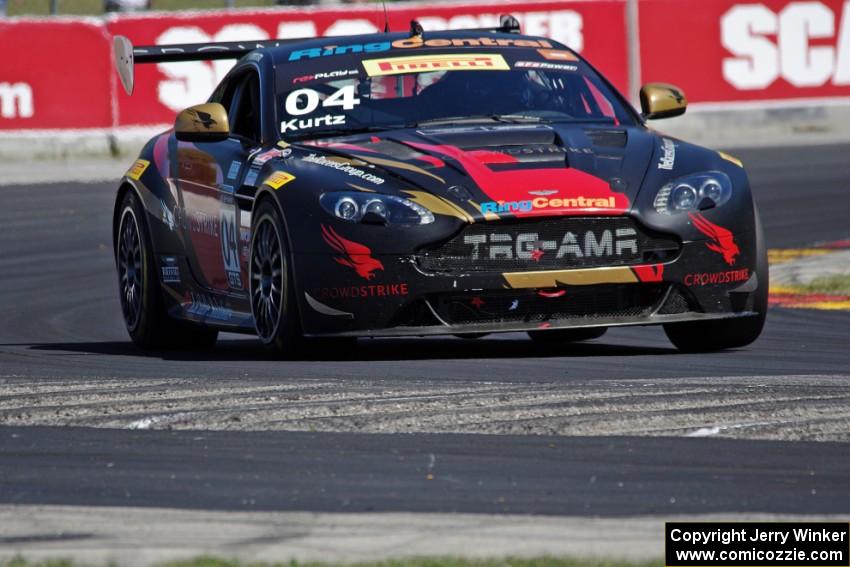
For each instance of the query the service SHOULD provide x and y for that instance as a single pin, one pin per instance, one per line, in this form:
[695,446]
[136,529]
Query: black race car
[460,182]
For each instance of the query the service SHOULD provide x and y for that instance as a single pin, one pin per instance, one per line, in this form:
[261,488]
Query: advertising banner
[58,73]
[55,74]
[732,51]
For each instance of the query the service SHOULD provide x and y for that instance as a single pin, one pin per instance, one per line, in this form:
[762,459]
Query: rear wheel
[558,337]
[272,293]
[707,336]
[147,322]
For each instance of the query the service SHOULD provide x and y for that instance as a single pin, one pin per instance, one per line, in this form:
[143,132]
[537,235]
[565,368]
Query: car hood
[488,171]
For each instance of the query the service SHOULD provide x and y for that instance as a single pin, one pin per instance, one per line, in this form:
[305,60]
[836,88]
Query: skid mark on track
[786,407]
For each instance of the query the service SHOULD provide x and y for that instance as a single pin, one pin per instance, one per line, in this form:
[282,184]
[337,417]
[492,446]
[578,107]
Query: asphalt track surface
[391,425]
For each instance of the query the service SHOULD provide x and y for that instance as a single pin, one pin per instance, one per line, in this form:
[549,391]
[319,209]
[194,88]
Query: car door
[208,175]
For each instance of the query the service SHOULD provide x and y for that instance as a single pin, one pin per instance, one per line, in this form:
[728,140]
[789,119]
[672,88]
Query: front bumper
[402,299]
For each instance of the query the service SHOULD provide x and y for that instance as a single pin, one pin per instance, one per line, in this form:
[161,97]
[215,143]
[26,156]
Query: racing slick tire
[558,337]
[707,336]
[145,315]
[271,287]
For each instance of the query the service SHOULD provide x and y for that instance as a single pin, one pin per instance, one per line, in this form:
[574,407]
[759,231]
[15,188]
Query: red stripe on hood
[515,185]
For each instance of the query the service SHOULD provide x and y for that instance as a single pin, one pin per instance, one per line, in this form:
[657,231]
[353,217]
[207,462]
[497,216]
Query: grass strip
[828,285]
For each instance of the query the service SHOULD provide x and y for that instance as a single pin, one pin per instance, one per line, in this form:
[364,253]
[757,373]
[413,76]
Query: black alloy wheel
[272,296]
[130,268]
[145,316]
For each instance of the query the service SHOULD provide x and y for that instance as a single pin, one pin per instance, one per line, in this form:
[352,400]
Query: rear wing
[127,55]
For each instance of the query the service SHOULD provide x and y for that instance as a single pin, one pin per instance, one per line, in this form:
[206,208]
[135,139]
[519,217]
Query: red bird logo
[352,254]
[722,240]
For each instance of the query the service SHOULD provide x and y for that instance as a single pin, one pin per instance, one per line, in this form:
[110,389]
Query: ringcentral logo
[528,246]
[546,203]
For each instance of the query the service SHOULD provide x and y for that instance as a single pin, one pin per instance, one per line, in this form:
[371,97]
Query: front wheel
[272,292]
[148,324]
[707,336]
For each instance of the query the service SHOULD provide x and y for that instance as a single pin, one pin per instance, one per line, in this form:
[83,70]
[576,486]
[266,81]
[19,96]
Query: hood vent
[607,138]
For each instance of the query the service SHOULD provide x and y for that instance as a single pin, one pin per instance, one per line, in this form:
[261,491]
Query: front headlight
[694,193]
[374,208]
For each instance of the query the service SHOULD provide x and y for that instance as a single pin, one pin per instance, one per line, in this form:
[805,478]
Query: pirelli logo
[137,169]
[425,63]
[278,179]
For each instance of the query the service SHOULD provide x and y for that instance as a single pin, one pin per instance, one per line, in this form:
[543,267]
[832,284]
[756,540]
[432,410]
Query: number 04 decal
[305,101]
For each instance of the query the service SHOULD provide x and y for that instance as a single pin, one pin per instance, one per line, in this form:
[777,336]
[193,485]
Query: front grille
[548,244]
[589,303]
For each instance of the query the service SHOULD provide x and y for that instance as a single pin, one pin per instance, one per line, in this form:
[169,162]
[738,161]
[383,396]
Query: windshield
[356,93]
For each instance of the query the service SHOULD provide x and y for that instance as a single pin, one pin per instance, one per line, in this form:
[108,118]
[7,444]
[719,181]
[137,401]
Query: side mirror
[202,123]
[660,100]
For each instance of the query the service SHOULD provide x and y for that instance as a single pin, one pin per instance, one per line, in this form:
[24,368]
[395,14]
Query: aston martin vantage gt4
[458,182]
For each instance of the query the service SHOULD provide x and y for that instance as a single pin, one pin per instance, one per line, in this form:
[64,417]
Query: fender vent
[607,138]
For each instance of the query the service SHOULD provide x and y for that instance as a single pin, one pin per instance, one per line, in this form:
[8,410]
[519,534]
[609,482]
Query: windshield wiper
[517,118]
[525,118]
